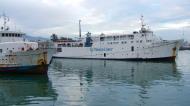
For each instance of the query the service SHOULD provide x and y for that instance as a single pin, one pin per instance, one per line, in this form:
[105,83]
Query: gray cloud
[44,17]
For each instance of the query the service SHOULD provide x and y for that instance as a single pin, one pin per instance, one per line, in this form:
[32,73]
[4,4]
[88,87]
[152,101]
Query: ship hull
[172,58]
[36,69]
[26,62]
[160,51]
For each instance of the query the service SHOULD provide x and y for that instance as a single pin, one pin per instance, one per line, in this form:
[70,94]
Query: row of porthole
[12,49]
[4,60]
[9,48]
[123,42]
[11,35]
[111,54]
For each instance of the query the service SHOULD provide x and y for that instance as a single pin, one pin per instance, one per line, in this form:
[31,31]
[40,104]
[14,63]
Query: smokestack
[79,29]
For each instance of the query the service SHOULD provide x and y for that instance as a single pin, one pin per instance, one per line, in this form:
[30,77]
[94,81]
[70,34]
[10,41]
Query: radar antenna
[5,20]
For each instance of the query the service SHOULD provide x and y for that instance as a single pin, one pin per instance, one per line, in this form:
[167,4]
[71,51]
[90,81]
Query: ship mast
[5,20]
[79,28]
[142,22]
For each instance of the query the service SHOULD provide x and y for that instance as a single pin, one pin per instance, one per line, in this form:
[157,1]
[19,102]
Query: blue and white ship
[139,45]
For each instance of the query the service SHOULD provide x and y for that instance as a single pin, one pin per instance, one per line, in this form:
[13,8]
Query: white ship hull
[162,50]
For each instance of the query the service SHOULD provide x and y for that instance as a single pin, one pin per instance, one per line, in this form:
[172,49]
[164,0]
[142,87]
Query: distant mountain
[33,38]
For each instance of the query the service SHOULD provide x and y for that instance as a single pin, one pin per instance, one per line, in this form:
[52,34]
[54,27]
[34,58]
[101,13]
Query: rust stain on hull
[174,51]
[26,62]
[42,59]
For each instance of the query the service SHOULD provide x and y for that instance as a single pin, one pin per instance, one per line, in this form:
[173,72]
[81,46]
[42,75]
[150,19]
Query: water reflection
[26,90]
[138,73]
[100,82]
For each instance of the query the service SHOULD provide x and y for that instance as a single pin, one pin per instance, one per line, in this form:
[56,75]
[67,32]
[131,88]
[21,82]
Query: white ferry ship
[17,55]
[141,45]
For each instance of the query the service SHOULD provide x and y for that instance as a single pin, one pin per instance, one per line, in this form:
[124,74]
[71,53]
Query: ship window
[132,48]
[116,37]
[68,45]
[7,35]
[104,54]
[59,50]
[10,35]
[131,36]
[1,50]
[115,42]
[59,45]
[101,38]
[123,37]
[80,44]
[140,41]
[3,35]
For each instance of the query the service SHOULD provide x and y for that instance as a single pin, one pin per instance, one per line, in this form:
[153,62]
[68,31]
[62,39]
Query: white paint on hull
[161,50]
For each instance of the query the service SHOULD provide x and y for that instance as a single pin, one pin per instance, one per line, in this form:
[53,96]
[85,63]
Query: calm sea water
[102,83]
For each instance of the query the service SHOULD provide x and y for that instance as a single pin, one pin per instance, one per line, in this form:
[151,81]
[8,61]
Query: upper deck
[11,36]
[6,35]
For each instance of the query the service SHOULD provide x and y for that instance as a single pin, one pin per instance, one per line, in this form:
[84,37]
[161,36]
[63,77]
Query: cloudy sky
[167,18]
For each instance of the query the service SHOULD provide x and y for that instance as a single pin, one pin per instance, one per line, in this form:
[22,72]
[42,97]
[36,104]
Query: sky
[169,19]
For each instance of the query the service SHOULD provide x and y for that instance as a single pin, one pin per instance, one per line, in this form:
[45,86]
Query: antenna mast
[142,21]
[79,28]
[5,20]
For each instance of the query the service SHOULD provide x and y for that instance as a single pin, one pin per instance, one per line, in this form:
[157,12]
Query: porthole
[104,54]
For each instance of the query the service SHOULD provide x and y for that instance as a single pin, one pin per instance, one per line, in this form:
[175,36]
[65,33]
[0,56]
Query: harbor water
[75,82]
